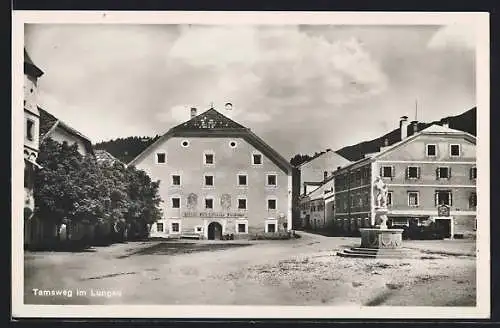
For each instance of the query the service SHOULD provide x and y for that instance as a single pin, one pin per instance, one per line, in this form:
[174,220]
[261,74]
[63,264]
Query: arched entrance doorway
[214,231]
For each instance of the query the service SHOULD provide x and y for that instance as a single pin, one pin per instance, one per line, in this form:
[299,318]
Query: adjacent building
[311,175]
[218,178]
[317,207]
[423,171]
[31,144]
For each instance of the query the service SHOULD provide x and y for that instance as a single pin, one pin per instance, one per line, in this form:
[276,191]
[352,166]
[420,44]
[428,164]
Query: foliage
[74,188]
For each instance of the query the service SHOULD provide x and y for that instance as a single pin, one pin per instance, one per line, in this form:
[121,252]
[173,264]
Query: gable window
[271,180]
[159,227]
[431,150]
[209,180]
[443,197]
[443,172]
[473,200]
[271,204]
[161,158]
[209,203]
[232,144]
[176,202]
[455,150]
[413,172]
[473,173]
[30,125]
[185,143]
[242,179]
[242,203]
[176,180]
[413,198]
[387,171]
[209,159]
[256,159]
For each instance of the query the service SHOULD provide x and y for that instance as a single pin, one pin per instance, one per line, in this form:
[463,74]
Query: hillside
[464,122]
[126,149]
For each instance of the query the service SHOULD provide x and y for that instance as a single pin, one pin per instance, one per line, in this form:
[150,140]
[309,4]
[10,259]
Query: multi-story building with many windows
[218,178]
[433,167]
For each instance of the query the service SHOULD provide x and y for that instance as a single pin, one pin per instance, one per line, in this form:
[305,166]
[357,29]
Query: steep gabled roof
[465,122]
[211,119]
[102,156]
[340,159]
[30,68]
[431,130]
[211,123]
[49,122]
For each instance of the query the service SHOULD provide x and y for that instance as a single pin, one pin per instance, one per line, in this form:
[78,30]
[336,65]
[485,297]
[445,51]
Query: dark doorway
[214,231]
[443,227]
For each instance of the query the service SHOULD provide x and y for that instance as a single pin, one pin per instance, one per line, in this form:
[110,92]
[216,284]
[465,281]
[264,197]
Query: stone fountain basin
[381,238]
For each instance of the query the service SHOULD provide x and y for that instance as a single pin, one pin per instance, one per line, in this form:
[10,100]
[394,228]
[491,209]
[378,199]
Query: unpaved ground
[305,271]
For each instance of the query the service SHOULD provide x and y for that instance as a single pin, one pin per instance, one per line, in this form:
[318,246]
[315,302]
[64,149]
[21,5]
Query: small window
[175,227]
[431,150]
[29,130]
[271,180]
[242,204]
[209,180]
[199,229]
[185,143]
[257,159]
[271,227]
[209,203]
[159,227]
[232,144]
[271,204]
[443,197]
[242,228]
[242,179]
[443,172]
[387,171]
[176,202]
[454,150]
[473,173]
[161,158]
[176,180]
[413,172]
[413,200]
[209,159]
[473,200]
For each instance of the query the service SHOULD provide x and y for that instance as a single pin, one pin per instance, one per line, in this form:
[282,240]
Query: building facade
[317,207]
[218,178]
[429,169]
[31,144]
[311,175]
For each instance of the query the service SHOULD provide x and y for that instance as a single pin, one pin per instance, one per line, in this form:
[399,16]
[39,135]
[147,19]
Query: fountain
[380,241]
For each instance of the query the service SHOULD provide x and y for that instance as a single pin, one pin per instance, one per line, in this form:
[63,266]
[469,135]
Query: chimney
[403,125]
[414,127]
[193,112]
[446,124]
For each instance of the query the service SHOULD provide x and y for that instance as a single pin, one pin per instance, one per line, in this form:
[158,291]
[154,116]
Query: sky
[301,88]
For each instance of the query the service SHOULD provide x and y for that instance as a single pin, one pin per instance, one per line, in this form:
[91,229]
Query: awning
[33,162]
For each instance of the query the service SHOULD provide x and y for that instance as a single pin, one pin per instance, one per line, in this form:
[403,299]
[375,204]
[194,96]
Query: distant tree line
[126,149]
[117,202]
[300,159]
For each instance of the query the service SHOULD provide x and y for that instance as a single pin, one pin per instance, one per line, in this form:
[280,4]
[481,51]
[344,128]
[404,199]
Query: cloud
[454,36]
